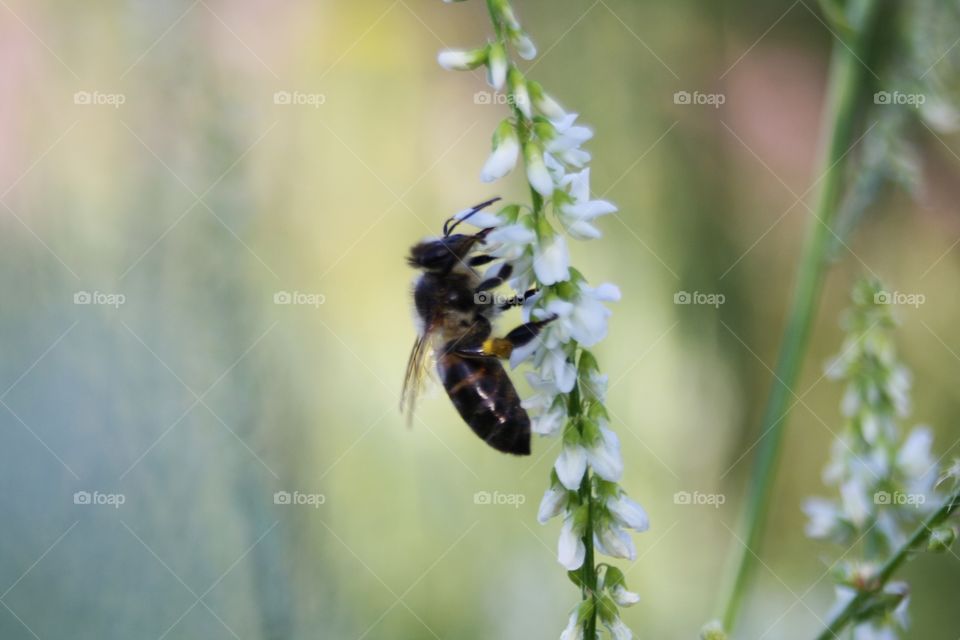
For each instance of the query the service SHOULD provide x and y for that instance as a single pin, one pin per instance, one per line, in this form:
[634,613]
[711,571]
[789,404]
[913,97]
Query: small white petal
[605,458]
[571,464]
[623,597]
[615,542]
[551,262]
[573,631]
[502,160]
[525,46]
[629,513]
[570,548]
[620,631]
[823,515]
[552,504]
[856,505]
[456,60]
[914,455]
[537,173]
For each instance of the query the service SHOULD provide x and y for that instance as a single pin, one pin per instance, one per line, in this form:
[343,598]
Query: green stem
[849,79]
[588,572]
[919,538]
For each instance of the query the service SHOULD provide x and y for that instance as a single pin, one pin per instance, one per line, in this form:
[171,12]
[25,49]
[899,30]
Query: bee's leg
[495,281]
[503,347]
[476,261]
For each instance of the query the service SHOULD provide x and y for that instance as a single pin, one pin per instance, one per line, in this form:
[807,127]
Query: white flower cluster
[886,483]
[569,388]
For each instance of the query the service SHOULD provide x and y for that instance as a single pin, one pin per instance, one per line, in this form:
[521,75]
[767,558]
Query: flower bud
[941,539]
[457,60]
[496,65]
[506,150]
[518,90]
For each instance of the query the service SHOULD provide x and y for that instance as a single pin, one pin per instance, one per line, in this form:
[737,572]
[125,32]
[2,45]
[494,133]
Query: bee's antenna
[453,221]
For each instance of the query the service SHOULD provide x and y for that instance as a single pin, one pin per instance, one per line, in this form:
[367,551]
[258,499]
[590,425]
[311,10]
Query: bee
[455,309]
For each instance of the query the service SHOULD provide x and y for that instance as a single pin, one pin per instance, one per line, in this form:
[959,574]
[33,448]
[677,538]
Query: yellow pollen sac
[498,347]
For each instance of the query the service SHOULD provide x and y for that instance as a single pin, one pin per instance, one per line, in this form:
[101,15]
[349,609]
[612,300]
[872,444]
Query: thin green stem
[588,572]
[848,82]
[919,537]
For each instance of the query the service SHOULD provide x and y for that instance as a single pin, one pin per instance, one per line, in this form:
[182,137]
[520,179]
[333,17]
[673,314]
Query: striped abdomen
[482,392]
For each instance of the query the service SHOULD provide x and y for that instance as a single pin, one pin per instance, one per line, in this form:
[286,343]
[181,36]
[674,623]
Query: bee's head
[444,254]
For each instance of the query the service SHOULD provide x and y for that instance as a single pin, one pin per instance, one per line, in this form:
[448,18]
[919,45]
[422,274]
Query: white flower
[623,597]
[619,631]
[577,214]
[628,513]
[613,541]
[604,456]
[496,66]
[518,91]
[524,45]
[551,262]
[550,409]
[537,174]
[481,219]
[565,135]
[823,515]
[571,464]
[573,631]
[856,504]
[545,104]
[552,504]
[570,548]
[555,367]
[583,319]
[509,241]
[457,60]
[914,456]
[503,158]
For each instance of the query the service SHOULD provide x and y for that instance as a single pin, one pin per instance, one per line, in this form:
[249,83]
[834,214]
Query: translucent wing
[413,380]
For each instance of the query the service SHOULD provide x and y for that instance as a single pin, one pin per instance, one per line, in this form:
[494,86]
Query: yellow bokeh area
[205,209]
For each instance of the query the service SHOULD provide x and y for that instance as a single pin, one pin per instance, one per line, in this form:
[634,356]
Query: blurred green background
[205,194]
